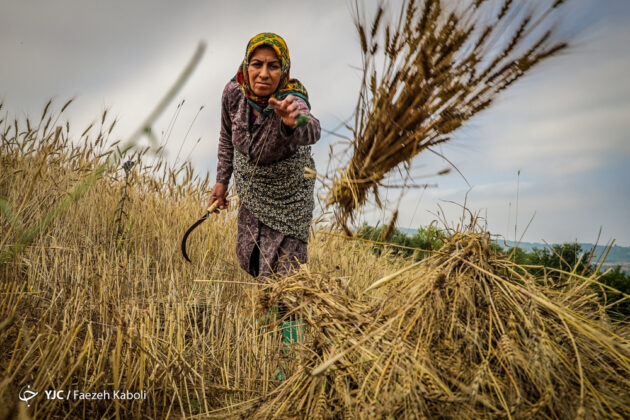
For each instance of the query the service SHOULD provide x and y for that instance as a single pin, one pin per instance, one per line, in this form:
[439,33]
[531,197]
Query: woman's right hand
[219,192]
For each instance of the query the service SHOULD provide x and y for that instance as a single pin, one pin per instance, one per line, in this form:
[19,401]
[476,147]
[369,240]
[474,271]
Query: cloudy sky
[565,127]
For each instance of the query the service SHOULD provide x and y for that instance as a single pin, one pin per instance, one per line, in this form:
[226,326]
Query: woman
[263,145]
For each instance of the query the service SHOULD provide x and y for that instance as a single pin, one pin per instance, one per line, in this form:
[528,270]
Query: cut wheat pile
[464,334]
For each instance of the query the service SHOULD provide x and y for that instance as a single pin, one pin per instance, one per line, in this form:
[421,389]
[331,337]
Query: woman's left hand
[287,109]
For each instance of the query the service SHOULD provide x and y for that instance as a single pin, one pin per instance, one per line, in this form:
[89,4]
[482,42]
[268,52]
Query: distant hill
[618,255]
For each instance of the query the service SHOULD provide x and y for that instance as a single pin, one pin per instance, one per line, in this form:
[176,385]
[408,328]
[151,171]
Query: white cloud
[570,117]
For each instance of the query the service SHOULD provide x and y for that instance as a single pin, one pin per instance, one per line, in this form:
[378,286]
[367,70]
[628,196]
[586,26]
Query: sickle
[212,208]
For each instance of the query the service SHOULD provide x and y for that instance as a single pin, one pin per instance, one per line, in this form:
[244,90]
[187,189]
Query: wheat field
[97,297]
[95,304]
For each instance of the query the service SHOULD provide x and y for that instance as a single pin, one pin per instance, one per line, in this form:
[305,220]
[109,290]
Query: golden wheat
[442,63]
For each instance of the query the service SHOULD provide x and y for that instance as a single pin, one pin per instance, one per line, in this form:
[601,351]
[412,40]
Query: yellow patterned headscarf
[287,85]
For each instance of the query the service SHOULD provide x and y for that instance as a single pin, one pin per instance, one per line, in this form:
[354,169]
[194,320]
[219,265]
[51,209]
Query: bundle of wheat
[441,64]
[466,333]
[504,343]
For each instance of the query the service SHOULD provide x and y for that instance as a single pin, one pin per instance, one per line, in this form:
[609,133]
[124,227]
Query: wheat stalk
[442,64]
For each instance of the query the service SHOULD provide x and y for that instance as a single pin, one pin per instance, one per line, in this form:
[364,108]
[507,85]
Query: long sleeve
[262,140]
[306,134]
[226,147]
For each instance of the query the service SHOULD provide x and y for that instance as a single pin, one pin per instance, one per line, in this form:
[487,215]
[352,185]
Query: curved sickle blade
[211,209]
[190,229]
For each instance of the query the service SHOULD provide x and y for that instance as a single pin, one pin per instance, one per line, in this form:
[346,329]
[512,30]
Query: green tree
[618,305]
[429,238]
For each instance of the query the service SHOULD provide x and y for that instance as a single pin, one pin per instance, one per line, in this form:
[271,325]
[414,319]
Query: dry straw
[465,333]
[441,65]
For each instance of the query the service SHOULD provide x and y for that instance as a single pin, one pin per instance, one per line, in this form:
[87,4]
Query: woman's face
[264,71]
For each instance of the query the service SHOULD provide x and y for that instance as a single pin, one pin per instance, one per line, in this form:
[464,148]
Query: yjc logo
[52,395]
[26,394]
